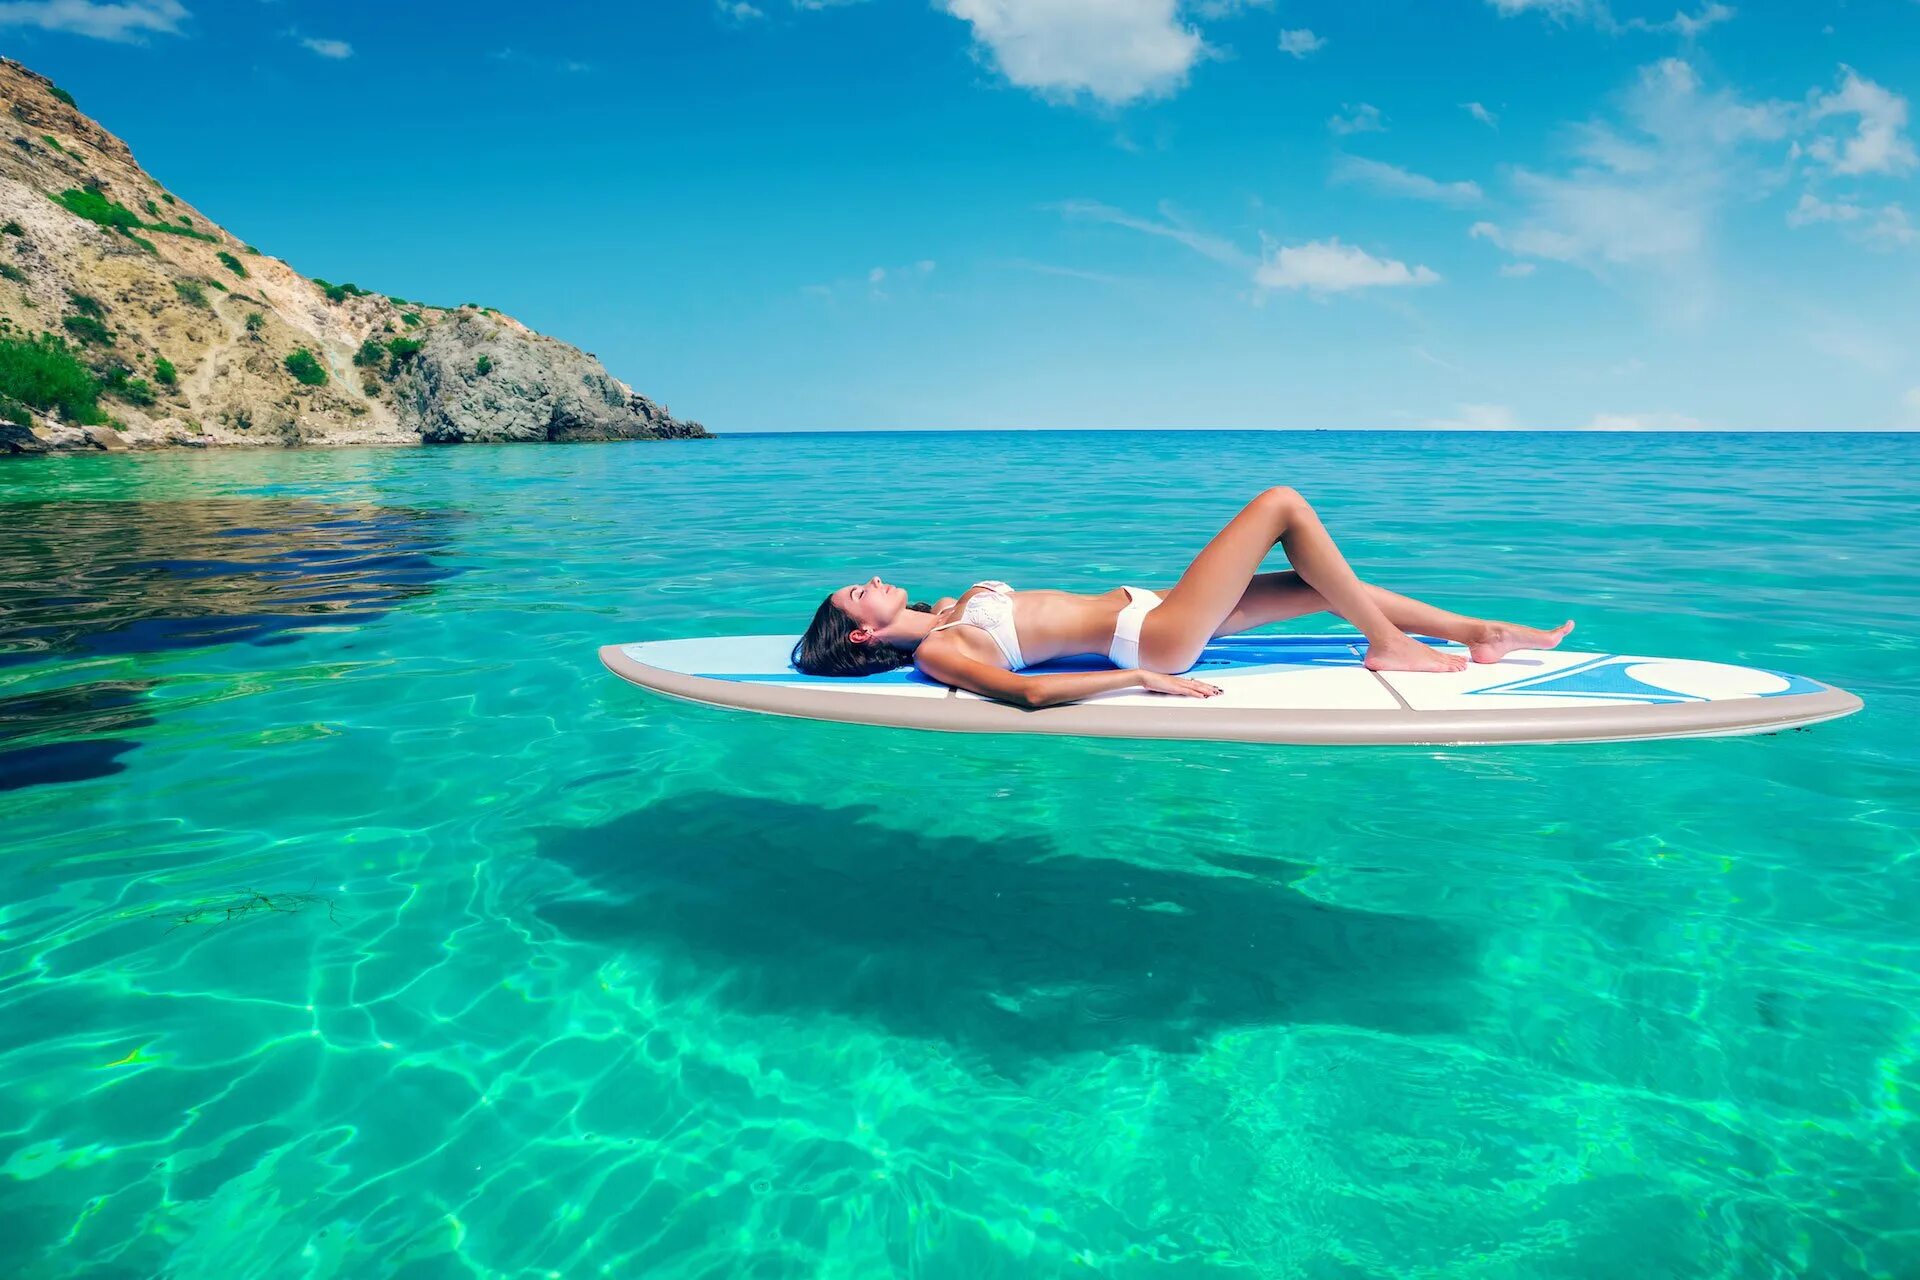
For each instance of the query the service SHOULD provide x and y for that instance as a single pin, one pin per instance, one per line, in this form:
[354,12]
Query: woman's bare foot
[1408,654]
[1502,638]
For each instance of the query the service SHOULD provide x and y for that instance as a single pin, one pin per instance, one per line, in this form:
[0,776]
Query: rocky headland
[129,319]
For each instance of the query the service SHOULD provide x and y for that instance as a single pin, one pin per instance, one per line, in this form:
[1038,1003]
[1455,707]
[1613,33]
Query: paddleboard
[1276,688]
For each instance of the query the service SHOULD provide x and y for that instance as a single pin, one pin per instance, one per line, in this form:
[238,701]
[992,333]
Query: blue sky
[819,214]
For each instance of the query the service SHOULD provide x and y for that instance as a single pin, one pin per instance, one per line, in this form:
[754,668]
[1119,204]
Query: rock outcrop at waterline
[128,319]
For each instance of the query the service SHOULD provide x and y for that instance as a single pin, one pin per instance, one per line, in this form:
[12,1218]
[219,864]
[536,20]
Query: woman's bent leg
[1213,584]
[1278,597]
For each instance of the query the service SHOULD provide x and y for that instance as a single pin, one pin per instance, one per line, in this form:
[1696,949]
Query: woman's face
[872,604]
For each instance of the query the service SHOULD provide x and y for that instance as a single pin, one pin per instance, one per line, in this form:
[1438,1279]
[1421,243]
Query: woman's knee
[1282,498]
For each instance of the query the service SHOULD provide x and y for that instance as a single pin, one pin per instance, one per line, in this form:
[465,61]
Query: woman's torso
[1050,624]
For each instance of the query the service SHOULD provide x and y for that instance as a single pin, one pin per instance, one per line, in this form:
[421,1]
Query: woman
[974,643]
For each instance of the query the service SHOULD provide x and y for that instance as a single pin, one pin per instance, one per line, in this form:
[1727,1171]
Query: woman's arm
[947,664]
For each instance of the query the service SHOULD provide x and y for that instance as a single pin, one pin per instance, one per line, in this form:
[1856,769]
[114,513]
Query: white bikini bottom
[1125,650]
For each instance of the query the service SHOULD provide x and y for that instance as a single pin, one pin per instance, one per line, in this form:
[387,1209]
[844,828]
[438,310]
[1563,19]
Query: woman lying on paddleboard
[981,640]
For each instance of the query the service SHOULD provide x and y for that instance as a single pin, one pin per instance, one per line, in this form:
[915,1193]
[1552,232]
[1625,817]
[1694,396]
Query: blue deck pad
[1240,655]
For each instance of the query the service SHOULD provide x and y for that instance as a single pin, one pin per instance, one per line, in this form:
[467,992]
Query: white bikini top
[992,611]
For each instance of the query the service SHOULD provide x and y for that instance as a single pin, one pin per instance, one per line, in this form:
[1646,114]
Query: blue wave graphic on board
[1610,678]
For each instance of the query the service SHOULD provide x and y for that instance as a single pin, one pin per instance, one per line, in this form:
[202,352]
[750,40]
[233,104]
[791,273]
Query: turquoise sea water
[354,922]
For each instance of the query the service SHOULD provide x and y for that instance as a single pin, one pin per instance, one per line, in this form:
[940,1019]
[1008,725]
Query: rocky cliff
[128,318]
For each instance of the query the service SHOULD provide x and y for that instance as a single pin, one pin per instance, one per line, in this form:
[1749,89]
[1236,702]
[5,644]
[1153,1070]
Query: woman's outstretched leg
[1486,639]
[1176,632]
[1278,597]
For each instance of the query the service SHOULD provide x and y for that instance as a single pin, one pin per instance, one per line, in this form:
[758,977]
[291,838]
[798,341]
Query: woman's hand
[1159,682]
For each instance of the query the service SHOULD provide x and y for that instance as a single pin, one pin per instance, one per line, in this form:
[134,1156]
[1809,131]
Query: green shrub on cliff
[95,207]
[370,355]
[88,330]
[404,349]
[13,273]
[483,366]
[163,371]
[122,385]
[412,318]
[305,369]
[54,142]
[43,372]
[63,96]
[232,263]
[340,292]
[167,228]
[111,214]
[255,322]
[12,228]
[190,292]
[86,304]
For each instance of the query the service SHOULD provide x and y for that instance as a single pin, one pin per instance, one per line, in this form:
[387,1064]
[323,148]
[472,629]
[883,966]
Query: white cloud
[874,283]
[741,11]
[328,48]
[1328,266]
[1646,191]
[1396,181]
[1661,420]
[1319,267]
[1688,25]
[1222,251]
[1480,113]
[1115,51]
[1516,270]
[1301,42]
[515,57]
[1879,143]
[1884,228]
[1683,24]
[1071,273]
[1364,118]
[1497,417]
[127,21]
[1228,8]
[1561,9]
[1478,417]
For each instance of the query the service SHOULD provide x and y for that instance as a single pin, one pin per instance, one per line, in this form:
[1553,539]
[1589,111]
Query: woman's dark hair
[828,648]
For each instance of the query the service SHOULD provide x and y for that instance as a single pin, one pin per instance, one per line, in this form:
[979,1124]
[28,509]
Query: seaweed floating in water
[248,903]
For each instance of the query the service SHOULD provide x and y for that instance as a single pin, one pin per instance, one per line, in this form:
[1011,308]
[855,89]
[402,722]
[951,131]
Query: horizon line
[1448,431]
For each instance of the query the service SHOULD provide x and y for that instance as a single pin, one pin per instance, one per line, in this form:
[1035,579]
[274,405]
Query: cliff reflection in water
[112,578]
